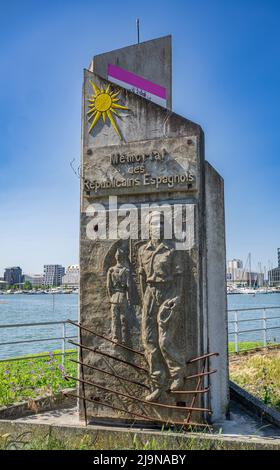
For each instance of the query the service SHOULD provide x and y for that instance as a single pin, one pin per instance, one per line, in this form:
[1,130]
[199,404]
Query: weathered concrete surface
[151,60]
[254,405]
[179,157]
[216,289]
[149,129]
[143,121]
[240,422]
[38,405]
[242,431]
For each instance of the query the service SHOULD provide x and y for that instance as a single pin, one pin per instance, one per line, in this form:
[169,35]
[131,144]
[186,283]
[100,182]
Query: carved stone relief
[159,271]
[119,284]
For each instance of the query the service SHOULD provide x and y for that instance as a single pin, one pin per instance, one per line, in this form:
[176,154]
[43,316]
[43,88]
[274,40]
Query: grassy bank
[31,377]
[259,374]
[123,441]
[244,346]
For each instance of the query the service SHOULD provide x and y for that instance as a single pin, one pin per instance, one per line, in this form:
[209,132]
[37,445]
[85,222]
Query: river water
[23,308]
[255,301]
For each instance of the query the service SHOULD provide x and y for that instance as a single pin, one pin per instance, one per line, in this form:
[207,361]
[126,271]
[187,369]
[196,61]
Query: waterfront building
[3,284]
[274,277]
[274,274]
[34,279]
[72,276]
[238,275]
[235,271]
[53,274]
[13,275]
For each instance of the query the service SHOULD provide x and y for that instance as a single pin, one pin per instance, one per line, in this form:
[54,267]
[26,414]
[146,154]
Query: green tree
[27,285]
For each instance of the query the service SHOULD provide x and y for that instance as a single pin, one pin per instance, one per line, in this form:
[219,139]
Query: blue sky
[226,75]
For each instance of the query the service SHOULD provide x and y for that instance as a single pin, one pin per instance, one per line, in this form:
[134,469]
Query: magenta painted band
[135,80]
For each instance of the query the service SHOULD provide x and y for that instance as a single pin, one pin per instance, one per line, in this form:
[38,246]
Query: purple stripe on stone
[136,80]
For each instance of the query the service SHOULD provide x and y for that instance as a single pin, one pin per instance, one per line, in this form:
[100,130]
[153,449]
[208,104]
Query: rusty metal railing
[185,422]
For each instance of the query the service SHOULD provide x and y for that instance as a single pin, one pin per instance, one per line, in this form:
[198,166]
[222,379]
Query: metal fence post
[63,343]
[264,328]
[236,331]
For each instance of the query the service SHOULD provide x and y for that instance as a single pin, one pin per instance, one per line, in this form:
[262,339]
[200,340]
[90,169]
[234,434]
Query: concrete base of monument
[39,405]
[242,430]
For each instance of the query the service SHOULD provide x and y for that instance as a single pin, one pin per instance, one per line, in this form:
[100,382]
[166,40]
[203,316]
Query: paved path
[240,424]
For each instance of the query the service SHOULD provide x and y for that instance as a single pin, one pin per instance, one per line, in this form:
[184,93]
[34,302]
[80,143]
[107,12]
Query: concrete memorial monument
[153,330]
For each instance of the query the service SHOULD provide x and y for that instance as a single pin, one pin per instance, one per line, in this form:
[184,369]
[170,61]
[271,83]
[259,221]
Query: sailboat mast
[250,276]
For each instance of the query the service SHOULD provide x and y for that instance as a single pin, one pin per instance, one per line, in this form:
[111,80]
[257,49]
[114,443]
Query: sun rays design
[103,103]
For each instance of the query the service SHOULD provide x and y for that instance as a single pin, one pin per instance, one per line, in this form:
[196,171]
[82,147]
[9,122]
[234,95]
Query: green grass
[29,378]
[244,346]
[259,374]
[103,441]
[32,377]
[22,380]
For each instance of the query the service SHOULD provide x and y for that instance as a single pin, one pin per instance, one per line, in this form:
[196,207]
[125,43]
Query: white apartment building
[236,274]
[34,279]
[71,277]
[53,274]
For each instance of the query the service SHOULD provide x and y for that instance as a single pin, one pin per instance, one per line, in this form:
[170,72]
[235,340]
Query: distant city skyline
[26,271]
[52,275]
[257,266]
[226,73]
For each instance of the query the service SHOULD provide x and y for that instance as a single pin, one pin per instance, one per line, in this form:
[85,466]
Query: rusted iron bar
[106,338]
[201,374]
[198,385]
[110,373]
[205,390]
[97,351]
[202,357]
[138,415]
[83,386]
[161,405]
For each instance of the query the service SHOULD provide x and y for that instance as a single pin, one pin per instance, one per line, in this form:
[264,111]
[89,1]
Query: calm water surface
[46,307]
[24,308]
[255,301]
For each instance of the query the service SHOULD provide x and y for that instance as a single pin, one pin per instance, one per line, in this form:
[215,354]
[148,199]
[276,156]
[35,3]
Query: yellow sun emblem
[103,103]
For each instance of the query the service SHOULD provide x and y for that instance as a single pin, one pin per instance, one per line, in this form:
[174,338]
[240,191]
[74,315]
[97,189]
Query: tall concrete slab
[151,60]
[148,303]
[216,288]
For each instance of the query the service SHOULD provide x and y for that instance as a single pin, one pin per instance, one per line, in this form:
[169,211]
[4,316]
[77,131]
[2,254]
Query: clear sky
[226,76]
